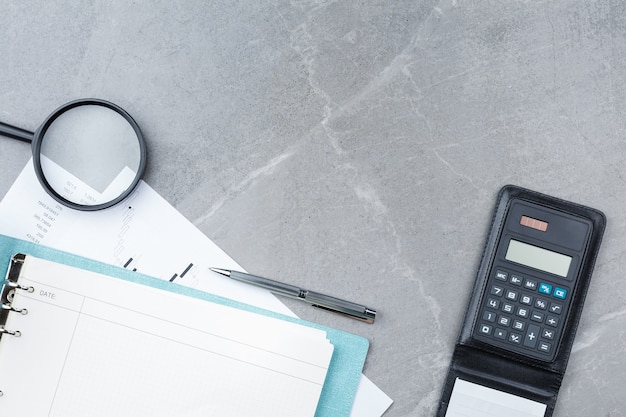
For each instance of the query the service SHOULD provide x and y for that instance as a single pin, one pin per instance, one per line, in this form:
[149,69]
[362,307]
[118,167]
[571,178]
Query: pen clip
[368,316]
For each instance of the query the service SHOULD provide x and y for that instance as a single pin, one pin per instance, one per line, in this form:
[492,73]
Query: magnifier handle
[16,133]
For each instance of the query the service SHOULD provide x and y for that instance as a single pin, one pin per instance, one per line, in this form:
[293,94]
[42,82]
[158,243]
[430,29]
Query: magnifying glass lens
[90,155]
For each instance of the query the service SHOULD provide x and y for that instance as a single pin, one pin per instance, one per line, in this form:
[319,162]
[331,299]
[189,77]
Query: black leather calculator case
[492,367]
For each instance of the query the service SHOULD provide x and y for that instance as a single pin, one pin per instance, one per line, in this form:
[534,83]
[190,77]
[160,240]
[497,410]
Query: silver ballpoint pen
[325,302]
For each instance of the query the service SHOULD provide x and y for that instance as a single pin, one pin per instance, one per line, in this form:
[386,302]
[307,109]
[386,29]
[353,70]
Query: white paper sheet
[473,400]
[95,347]
[147,234]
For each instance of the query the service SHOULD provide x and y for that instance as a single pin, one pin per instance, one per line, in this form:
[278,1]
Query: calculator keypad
[523,313]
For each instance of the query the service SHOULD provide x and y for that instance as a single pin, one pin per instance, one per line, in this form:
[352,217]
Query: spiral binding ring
[29,288]
[9,307]
[15,333]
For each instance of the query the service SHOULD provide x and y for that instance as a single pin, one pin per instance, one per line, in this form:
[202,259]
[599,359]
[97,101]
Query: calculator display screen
[538,258]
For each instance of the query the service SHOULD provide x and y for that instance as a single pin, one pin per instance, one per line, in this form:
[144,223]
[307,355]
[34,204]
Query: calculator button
[545,347]
[504,321]
[507,308]
[489,316]
[556,308]
[552,321]
[497,291]
[547,334]
[501,275]
[523,312]
[511,295]
[493,303]
[541,304]
[531,336]
[537,316]
[486,329]
[516,280]
[560,293]
[500,334]
[530,284]
[515,338]
[519,325]
[526,299]
[545,288]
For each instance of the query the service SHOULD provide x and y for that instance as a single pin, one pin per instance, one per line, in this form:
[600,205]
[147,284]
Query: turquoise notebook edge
[349,353]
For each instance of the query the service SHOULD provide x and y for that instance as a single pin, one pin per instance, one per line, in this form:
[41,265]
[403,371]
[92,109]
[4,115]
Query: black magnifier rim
[41,131]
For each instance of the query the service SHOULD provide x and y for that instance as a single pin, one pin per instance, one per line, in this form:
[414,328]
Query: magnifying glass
[89,154]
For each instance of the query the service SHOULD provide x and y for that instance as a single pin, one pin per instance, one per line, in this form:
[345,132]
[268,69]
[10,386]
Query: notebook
[77,342]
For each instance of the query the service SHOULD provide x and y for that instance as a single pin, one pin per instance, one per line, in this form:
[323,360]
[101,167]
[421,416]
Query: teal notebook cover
[349,353]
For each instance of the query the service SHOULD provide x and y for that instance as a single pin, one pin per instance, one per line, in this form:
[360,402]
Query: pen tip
[221,271]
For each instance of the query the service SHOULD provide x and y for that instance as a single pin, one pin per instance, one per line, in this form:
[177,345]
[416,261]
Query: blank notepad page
[96,346]
[473,400]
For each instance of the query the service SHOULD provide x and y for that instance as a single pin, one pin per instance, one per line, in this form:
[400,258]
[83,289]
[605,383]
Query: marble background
[357,147]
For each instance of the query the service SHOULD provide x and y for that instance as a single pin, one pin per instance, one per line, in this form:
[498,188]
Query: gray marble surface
[357,147]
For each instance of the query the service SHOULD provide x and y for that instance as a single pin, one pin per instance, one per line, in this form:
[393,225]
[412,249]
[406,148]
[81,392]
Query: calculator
[533,277]
[525,305]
